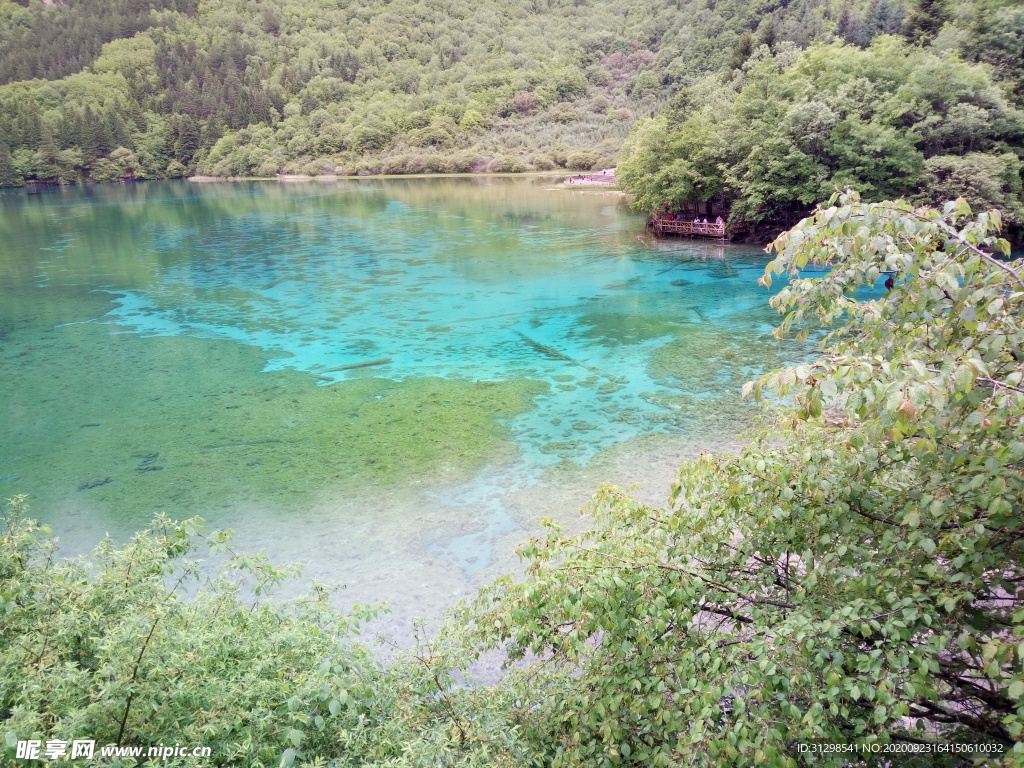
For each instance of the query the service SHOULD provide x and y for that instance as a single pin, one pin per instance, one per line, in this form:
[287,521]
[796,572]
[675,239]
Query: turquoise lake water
[326,366]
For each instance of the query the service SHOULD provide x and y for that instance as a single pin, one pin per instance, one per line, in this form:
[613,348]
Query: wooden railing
[711,229]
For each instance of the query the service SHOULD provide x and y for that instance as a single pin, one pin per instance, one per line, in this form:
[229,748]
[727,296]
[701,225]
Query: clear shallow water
[411,291]
[253,351]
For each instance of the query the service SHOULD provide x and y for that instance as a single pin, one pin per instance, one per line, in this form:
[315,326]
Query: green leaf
[963,377]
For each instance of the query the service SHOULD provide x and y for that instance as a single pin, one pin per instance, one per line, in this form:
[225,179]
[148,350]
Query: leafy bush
[104,170]
[644,83]
[524,103]
[9,176]
[984,181]
[137,647]
[112,650]
[563,113]
[472,120]
[583,160]
[543,163]
[432,135]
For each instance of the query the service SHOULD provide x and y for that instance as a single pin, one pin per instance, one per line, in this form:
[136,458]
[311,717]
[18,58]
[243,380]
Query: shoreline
[295,177]
[201,179]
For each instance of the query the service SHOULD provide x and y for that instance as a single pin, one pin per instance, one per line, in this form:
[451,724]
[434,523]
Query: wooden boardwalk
[664,226]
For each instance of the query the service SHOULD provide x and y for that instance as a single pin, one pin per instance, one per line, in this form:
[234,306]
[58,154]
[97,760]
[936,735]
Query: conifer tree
[119,135]
[89,135]
[29,126]
[740,53]
[9,176]
[47,159]
[212,130]
[767,32]
[882,18]
[136,117]
[924,21]
[850,27]
[188,139]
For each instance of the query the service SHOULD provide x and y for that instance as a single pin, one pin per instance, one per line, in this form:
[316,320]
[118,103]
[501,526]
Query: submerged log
[547,351]
[554,354]
[364,364]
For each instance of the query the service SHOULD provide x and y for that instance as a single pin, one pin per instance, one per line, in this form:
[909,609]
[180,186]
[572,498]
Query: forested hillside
[157,88]
[324,86]
[923,103]
[762,107]
[789,127]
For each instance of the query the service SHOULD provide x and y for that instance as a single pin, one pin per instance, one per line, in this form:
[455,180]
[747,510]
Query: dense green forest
[167,88]
[845,591]
[239,87]
[786,127]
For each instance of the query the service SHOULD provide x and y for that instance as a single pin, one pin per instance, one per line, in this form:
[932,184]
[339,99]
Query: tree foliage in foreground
[853,577]
[138,646]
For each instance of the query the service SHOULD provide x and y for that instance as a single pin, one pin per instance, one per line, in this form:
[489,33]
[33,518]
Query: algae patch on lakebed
[187,425]
[710,360]
[703,371]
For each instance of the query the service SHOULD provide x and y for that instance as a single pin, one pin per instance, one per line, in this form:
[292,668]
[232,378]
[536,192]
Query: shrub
[472,120]
[983,180]
[435,164]
[582,160]
[268,168]
[524,102]
[430,136]
[563,113]
[111,649]
[646,82]
[543,163]
[104,170]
